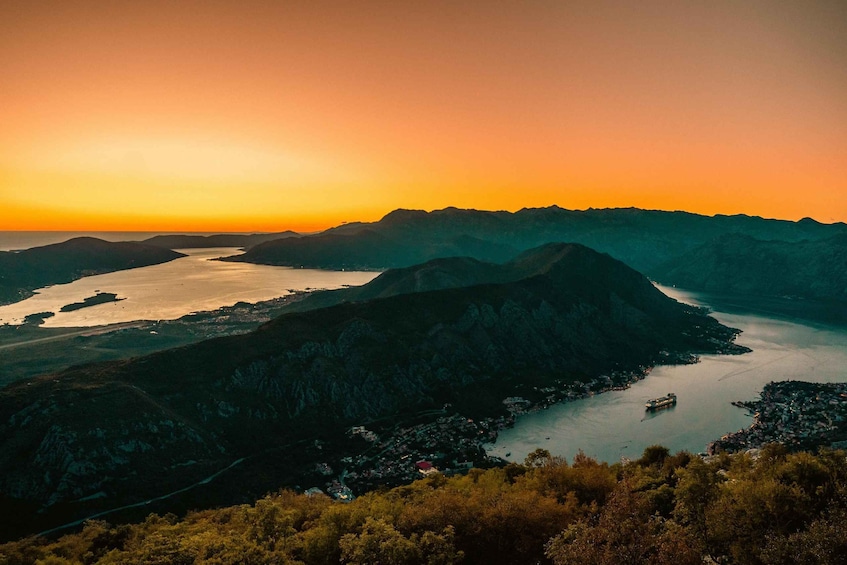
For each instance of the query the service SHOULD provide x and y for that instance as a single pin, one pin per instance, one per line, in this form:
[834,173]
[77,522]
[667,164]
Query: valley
[304,378]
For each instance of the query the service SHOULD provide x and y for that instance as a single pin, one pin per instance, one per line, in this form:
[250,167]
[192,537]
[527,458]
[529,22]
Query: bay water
[615,424]
[171,290]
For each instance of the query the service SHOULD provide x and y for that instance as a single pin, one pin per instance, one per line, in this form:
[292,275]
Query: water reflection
[174,289]
[615,424]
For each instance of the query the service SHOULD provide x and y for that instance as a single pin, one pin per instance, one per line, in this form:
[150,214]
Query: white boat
[663,402]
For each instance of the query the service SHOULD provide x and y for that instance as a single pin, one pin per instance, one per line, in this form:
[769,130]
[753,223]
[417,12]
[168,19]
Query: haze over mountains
[22,272]
[99,436]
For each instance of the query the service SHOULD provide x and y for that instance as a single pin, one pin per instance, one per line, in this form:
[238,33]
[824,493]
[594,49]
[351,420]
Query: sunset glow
[265,116]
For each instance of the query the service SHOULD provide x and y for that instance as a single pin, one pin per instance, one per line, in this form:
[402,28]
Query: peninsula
[21,272]
[797,414]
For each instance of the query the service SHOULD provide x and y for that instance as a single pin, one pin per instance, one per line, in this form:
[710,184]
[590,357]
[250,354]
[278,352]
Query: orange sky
[241,116]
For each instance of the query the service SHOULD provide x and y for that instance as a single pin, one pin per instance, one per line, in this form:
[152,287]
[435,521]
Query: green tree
[379,542]
[624,532]
[698,486]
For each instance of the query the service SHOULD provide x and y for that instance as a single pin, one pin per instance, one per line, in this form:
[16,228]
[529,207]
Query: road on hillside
[95,330]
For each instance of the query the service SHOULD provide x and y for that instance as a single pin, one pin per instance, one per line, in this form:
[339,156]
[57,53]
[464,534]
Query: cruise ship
[663,402]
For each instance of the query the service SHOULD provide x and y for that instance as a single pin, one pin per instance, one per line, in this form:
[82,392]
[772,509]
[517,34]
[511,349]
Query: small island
[38,318]
[99,298]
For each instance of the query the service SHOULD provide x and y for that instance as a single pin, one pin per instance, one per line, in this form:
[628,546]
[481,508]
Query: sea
[166,291]
[614,425]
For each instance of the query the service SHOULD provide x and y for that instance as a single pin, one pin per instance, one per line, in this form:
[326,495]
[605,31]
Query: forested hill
[738,263]
[114,433]
[450,272]
[661,509]
[643,239]
[23,271]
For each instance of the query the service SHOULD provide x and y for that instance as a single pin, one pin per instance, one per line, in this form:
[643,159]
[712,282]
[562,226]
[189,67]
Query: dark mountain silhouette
[218,240]
[23,271]
[439,274]
[643,239]
[103,435]
[738,263]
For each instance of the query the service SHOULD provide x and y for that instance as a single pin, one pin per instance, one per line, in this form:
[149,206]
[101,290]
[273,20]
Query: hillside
[667,509]
[439,274]
[99,436]
[643,239]
[218,240]
[24,271]
[741,264]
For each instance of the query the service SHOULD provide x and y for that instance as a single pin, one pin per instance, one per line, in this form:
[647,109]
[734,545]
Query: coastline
[31,350]
[797,414]
[450,442]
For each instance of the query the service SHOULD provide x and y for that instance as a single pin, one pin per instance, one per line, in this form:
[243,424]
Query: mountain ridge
[179,241]
[643,239]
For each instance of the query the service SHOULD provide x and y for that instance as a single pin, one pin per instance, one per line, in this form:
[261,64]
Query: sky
[265,116]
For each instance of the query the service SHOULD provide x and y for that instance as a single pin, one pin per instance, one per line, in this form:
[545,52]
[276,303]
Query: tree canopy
[662,508]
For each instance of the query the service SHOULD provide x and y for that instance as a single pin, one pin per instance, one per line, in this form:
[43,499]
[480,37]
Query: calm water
[614,424]
[171,290]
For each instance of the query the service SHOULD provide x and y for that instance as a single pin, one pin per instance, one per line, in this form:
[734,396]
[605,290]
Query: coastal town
[799,415]
[443,440]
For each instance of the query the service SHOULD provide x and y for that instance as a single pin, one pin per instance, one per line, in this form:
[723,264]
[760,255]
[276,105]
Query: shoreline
[31,350]
[451,442]
[797,414]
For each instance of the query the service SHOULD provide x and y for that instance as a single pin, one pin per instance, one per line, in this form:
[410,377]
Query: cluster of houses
[797,414]
[449,444]
[446,443]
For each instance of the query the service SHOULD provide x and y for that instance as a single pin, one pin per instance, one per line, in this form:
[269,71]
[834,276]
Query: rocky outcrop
[77,444]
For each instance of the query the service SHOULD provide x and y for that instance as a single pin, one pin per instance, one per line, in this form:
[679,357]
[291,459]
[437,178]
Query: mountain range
[643,239]
[218,240]
[99,436]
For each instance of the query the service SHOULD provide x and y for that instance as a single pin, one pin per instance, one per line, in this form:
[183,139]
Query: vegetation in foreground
[662,508]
